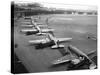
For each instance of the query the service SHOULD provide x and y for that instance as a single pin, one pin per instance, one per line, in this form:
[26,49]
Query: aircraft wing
[94,52]
[93,56]
[63,59]
[28,30]
[63,39]
[47,30]
[35,42]
[27,25]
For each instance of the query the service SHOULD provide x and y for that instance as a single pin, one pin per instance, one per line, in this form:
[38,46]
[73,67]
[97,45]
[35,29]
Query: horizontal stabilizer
[47,30]
[38,34]
[64,39]
[57,46]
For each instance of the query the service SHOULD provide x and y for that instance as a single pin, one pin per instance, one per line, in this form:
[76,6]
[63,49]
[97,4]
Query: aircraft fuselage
[43,45]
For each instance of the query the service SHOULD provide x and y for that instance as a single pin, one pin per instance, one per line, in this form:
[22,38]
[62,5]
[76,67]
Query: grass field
[76,27]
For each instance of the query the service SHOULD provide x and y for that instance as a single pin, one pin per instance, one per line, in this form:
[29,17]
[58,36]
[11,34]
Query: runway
[76,27]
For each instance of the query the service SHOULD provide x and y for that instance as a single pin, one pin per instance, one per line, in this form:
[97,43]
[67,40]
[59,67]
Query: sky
[69,6]
[63,5]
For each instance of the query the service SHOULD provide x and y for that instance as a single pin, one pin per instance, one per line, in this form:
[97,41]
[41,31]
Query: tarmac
[39,60]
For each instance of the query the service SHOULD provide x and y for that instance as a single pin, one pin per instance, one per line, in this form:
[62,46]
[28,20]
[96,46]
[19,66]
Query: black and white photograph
[52,37]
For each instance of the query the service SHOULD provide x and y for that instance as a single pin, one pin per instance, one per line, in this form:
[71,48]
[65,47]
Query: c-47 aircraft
[32,24]
[36,30]
[51,39]
[76,62]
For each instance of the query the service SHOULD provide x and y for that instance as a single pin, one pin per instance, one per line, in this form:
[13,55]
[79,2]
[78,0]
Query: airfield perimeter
[74,26]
